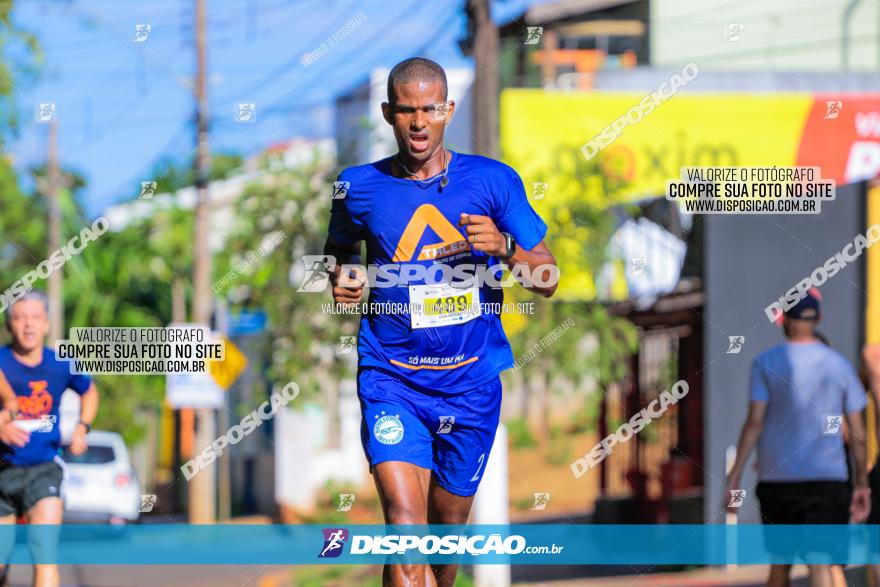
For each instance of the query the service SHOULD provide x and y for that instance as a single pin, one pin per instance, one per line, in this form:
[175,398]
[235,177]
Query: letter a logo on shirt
[426,216]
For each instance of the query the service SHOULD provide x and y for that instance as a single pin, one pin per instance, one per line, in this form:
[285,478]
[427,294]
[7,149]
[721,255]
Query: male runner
[801,393]
[30,476]
[428,379]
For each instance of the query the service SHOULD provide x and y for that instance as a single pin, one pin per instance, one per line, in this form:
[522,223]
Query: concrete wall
[750,260]
[801,35]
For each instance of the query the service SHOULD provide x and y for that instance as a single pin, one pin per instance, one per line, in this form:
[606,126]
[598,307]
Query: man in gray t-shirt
[808,388]
[802,393]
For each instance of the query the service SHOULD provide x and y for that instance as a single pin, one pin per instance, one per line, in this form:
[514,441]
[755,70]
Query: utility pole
[202,487]
[485,50]
[53,183]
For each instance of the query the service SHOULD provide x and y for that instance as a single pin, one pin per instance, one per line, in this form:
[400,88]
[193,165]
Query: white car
[100,485]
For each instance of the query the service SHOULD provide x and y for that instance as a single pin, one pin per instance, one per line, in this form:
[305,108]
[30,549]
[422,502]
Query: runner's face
[419,132]
[28,324]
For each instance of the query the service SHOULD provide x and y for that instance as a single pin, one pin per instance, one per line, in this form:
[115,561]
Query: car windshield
[94,455]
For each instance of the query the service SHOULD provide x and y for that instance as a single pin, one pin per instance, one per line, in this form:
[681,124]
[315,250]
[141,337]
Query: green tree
[294,204]
[171,175]
[593,353]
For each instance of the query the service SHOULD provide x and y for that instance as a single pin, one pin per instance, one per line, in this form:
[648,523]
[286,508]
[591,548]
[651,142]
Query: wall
[750,260]
[796,35]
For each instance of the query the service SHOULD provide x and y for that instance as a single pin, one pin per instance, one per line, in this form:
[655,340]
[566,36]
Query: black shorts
[805,502]
[22,486]
[874,483]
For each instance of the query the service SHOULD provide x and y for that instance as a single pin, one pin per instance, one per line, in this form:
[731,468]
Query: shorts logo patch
[388,429]
[446,423]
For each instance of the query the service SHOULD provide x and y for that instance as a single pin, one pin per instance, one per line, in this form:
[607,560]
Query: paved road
[161,576]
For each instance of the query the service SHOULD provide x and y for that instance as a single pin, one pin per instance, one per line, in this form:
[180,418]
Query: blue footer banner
[527,544]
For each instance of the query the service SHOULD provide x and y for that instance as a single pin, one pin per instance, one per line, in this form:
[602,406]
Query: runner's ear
[451,112]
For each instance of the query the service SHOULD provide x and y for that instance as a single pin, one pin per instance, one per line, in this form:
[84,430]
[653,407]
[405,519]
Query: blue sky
[121,105]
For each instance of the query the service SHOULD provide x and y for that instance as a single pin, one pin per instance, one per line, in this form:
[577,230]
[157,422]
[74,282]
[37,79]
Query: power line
[381,32]
[284,68]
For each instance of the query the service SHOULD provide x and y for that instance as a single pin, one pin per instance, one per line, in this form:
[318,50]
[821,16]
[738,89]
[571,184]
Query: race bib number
[442,305]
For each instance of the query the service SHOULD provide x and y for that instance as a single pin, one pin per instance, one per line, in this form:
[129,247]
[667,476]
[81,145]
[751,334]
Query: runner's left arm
[855,402]
[510,211]
[87,412]
[542,266]
[89,407]
[484,236]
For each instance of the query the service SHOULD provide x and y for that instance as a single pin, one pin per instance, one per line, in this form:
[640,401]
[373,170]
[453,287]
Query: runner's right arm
[10,434]
[347,289]
[344,237]
[10,403]
[748,439]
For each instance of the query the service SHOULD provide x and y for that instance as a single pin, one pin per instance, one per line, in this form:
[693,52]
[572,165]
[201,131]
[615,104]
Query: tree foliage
[296,202]
[577,208]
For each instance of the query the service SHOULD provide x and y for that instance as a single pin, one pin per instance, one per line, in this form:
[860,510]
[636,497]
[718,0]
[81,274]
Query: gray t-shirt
[809,388]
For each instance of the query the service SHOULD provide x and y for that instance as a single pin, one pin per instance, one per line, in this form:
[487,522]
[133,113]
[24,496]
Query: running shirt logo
[334,540]
[388,429]
[38,403]
[424,217]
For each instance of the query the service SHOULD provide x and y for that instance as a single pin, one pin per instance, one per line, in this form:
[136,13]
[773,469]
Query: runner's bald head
[415,69]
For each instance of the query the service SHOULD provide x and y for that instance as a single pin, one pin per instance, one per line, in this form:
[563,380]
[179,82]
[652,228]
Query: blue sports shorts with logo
[450,434]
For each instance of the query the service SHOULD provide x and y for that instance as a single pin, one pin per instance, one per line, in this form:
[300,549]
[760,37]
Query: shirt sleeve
[758,389]
[855,398]
[79,383]
[516,214]
[344,228]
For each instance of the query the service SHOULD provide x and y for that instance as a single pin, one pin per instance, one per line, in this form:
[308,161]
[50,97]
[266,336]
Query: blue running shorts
[450,434]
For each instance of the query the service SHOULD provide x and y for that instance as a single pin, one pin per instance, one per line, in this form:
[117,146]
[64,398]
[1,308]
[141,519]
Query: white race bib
[29,425]
[442,304]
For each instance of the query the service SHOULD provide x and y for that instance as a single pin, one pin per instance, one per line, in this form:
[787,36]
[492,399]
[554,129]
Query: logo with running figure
[346,344]
[388,429]
[148,502]
[832,109]
[541,501]
[833,424]
[446,423]
[346,500]
[334,540]
[316,275]
[737,496]
[533,35]
[47,423]
[735,344]
[340,189]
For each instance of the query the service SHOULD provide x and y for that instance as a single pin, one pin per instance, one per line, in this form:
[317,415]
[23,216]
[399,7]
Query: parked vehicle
[100,485]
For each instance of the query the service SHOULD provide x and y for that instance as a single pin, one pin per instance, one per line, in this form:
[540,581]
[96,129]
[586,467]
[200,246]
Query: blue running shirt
[405,221]
[38,390]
